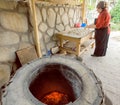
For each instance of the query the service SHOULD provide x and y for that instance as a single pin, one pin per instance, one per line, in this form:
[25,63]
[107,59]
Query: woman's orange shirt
[103,20]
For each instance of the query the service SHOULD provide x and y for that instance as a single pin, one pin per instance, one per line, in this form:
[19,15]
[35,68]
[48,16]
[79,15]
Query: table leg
[78,45]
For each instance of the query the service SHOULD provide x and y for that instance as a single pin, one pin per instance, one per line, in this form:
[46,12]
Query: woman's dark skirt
[101,41]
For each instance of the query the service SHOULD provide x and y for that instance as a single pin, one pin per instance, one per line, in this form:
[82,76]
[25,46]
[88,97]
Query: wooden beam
[35,27]
[83,9]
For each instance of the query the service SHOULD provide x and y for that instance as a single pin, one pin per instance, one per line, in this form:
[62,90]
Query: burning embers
[55,98]
[56,84]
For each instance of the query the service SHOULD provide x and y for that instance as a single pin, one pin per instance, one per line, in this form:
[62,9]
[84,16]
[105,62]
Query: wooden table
[73,41]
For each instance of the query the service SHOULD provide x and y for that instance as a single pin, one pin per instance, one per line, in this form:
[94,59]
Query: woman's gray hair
[102,5]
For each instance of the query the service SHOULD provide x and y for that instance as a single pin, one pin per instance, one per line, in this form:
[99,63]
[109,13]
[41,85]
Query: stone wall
[16,31]
[14,35]
[54,18]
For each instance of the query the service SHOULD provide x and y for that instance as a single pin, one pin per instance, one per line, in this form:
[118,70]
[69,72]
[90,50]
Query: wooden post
[35,27]
[83,9]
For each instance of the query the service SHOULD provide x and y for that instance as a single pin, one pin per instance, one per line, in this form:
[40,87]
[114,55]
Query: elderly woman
[102,29]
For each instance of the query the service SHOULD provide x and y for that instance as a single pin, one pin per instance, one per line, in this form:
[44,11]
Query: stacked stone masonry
[16,29]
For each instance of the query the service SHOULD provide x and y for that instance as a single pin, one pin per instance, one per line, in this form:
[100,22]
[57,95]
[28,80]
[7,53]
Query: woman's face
[99,10]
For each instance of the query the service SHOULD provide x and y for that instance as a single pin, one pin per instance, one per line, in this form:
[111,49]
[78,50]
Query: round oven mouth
[55,84]
[73,81]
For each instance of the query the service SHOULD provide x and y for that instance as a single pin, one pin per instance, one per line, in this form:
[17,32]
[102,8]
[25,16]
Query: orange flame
[55,98]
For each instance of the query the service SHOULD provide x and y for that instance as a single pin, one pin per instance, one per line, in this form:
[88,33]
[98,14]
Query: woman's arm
[91,26]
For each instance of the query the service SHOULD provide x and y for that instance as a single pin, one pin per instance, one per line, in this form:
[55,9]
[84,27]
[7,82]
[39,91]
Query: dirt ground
[107,68]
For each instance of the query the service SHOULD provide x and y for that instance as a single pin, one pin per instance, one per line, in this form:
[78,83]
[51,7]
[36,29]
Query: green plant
[115,26]
[115,13]
[91,7]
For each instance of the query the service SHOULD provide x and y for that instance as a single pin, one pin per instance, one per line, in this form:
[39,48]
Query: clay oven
[54,80]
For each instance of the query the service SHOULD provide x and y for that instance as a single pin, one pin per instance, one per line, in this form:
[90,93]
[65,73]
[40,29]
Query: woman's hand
[88,26]
[91,26]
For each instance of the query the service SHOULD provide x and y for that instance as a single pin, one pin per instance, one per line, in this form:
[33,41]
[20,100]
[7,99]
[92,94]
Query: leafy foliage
[91,7]
[115,13]
[115,27]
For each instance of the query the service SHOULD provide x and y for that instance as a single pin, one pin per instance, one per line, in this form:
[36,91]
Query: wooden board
[68,2]
[27,54]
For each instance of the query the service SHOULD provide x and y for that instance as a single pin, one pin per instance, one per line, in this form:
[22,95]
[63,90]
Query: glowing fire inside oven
[55,98]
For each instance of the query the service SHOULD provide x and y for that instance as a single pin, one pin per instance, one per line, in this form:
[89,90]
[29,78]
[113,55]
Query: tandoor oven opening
[56,84]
